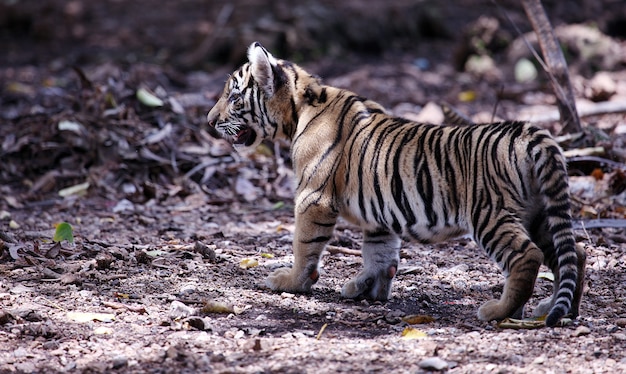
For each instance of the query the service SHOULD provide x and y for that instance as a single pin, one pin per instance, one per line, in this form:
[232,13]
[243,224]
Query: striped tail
[550,167]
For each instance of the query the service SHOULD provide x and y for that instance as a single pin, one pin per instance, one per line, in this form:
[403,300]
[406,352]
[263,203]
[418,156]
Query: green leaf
[155,253]
[525,71]
[63,232]
[148,99]
[73,126]
[78,189]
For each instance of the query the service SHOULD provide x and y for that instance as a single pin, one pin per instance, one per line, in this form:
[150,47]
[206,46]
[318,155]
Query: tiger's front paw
[371,285]
[496,310]
[285,279]
[491,310]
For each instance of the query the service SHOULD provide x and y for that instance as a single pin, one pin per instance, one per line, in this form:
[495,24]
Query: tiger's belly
[421,230]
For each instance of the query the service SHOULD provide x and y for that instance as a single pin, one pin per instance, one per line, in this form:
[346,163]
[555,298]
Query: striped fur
[505,184]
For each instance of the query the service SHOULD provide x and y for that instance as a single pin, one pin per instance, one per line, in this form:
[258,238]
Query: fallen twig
[591,151]
[333,249]
[606,107]
[599,223]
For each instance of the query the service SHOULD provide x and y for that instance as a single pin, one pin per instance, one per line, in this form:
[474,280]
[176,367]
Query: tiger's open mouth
[238,134]
[244,136]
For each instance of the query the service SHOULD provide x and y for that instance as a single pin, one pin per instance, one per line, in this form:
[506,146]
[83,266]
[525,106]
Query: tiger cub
[505,184]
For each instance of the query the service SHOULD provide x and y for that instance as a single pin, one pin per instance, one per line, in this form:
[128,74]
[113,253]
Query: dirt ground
[173,233]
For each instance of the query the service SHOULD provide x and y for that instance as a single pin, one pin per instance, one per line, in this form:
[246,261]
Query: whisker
[229,128]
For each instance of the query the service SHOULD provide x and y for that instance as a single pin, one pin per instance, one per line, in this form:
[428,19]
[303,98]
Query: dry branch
[556,65]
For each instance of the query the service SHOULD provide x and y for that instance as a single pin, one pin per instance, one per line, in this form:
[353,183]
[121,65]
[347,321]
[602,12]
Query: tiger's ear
[261,63]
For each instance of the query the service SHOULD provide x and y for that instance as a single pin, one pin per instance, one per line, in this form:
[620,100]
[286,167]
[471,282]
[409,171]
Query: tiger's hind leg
[520,259]
[546,304]
[381,255]
[314,228]
[580,281]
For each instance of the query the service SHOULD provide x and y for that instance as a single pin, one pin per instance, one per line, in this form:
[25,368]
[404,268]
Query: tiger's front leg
[314,228]
[381,256]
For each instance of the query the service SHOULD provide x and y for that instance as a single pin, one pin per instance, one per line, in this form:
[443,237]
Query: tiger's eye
[234,97]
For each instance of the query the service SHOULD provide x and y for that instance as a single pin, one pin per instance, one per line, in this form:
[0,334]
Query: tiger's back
[505,184]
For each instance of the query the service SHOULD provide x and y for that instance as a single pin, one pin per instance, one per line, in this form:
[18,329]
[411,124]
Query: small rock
[480,65]
[433,363]
[198,323]
[612,329]
[4,215]
[50,345]
[430,113]
[619,336]
[621,322]
[602,86]
[581,331]
[188,288]
[207,252]
[20,352]
[257,345]
[180,310]
[525,71]
[104,261]
[119,361]
[5,317]
[25,367]
[173,353]
[123,205]
[394,317]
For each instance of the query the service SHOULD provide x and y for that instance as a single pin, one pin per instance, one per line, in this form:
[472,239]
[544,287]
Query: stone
[433,363]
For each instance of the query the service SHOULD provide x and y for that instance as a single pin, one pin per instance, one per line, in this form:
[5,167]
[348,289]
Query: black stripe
[317,239]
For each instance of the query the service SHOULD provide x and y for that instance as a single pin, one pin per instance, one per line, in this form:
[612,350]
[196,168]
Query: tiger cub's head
[258,101]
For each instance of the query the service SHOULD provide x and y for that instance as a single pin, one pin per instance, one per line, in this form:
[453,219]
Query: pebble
[198,323]
[119,361]
[25,367]
[621,322]
[180,310]
[433,363]
[602,87]
[50,345]
[581,330]
[620,336]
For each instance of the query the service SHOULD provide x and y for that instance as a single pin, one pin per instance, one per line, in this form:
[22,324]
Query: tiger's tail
[551,170]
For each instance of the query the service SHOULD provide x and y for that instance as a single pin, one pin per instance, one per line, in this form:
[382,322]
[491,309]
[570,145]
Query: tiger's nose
[211,119]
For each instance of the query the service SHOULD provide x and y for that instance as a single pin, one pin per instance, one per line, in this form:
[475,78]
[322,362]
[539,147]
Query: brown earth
[174,234]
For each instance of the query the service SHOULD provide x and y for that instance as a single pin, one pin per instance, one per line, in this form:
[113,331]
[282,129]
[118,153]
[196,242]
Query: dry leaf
[103,330]
[416,319]
[546,275]
[319,334]
[467,96]
[522,324]
[248,263]
[411,333]
[217,307]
